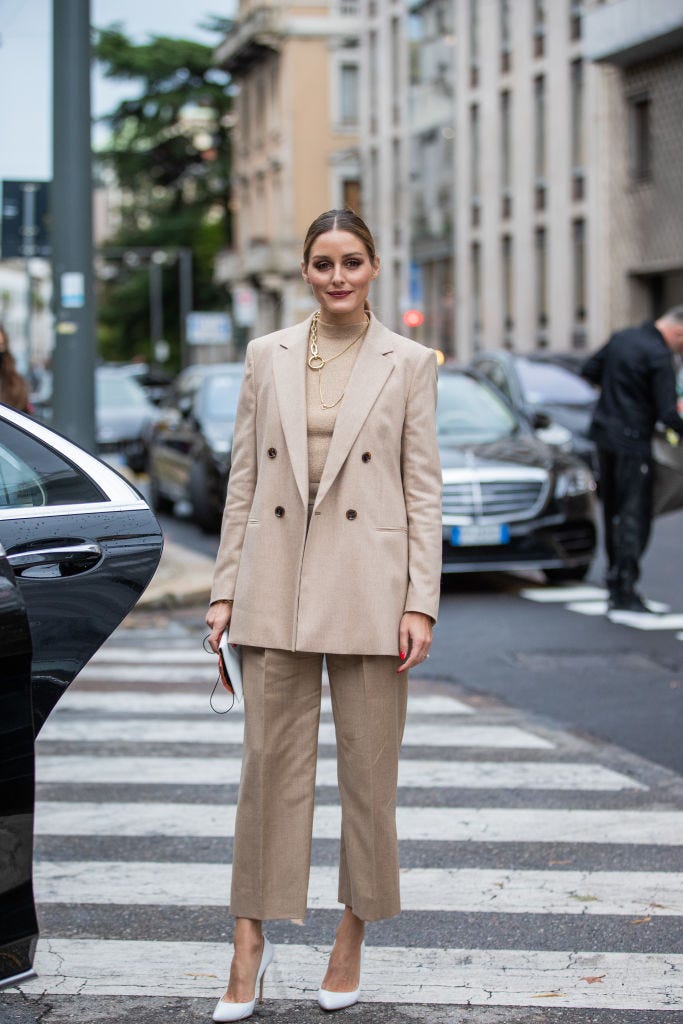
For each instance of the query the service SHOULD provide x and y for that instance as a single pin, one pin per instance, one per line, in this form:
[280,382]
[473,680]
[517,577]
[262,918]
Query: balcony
[250,41]
[629,31]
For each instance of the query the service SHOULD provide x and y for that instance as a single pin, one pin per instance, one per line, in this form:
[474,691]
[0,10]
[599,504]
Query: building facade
[296,69]
[638,45]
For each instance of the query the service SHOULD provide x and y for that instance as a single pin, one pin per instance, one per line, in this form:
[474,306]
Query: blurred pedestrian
[13,387]
[638,389]
[331,547]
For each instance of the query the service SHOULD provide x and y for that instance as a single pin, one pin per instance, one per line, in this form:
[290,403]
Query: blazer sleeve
[422,486]
[241,487]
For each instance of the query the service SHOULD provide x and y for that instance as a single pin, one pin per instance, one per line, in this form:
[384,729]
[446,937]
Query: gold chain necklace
[317,362]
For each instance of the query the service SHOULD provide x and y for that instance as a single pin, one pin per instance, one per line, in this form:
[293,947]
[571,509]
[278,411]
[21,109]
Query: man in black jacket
[635,372]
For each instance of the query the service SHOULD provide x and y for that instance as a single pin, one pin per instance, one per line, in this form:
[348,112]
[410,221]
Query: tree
[169,154]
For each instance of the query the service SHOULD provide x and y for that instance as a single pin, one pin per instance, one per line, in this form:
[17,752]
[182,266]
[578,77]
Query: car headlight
[575,481]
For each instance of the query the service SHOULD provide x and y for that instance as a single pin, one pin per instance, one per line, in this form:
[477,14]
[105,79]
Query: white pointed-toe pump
[240,1011]
[340,1000]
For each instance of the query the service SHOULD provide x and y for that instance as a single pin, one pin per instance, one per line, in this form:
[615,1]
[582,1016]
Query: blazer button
[351,513]
[272,452]
[279,511]
[366,456]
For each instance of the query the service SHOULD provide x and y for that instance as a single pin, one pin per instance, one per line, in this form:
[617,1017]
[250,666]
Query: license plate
[479,535]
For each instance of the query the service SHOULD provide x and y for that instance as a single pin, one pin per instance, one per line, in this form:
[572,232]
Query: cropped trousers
[274,824]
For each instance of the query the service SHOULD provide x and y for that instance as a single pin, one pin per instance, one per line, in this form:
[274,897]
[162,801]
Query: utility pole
[72,248]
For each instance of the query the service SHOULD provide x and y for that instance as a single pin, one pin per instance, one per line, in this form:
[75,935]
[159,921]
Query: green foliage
[169,153]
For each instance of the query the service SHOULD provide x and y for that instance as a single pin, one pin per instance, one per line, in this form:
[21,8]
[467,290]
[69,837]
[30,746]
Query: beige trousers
[273,830]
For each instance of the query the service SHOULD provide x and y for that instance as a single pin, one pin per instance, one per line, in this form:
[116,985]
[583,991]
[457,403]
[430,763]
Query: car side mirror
[540,420]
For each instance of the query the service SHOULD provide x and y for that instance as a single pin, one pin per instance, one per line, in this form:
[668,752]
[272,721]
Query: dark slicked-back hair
[340,220]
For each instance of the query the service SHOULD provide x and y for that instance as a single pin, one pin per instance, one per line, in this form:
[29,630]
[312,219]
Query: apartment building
[297,70]
[638,45]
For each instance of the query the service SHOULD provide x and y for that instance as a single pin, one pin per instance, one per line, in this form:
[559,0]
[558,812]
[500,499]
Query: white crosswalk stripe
[100,738]
[509,977]
[589,600]
[220,771]
[629,893]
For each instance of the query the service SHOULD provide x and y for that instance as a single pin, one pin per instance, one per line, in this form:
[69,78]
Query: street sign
[209,329]
[25,219]
[244,305]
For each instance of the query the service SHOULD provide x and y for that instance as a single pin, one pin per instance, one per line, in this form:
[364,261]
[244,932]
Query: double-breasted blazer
[373,547]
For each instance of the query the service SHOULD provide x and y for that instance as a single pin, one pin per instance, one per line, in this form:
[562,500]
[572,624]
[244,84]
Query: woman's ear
[375,267]
[303,272]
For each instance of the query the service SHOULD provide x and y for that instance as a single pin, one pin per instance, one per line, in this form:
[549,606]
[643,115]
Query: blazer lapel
[369,374]
[289,370]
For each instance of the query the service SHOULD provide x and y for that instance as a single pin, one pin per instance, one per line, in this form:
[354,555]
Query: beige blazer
[373,547]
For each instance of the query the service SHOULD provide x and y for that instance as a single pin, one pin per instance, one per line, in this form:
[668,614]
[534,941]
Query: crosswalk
[586,599]
[549,872]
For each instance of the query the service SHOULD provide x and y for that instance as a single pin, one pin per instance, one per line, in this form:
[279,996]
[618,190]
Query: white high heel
[340,1000]
[240,1011]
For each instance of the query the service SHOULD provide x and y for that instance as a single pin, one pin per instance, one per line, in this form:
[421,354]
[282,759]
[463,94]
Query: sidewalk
[182,578]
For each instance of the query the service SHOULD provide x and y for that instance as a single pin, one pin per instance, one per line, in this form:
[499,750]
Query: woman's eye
[322,266]
[353,263]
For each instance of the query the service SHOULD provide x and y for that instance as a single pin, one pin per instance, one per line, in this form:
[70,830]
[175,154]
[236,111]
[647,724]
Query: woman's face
[339,271]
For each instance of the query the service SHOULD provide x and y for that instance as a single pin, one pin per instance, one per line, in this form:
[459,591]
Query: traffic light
[413,318]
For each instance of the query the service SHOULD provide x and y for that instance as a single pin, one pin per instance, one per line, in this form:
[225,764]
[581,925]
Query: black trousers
[626,490]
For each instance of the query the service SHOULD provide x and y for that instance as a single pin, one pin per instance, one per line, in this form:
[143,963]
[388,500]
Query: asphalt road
[614,682]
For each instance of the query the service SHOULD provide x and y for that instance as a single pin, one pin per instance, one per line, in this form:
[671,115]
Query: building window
[351,194]
[474,42]
[577,129]
[397,192]
[475,271]
[507,276]
[579,282]
[575,12]
[539,27]
[396,68]
[373,93]
[641,138]
[539,141]
[506,153]
[349,75]
[475,162]
[505,35]
[541,247]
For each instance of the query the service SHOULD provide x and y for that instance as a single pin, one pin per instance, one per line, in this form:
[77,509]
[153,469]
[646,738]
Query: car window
[547,383]
[468,412]
[117,391]
[496,374]
[222,393]
[31,474]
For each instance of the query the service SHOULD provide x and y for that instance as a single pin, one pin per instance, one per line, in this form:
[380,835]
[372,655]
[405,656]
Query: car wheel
[158,501]
[575,574]
[204,511]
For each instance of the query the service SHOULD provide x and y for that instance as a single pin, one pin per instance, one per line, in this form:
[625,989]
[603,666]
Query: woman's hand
[414,639]
[218,620]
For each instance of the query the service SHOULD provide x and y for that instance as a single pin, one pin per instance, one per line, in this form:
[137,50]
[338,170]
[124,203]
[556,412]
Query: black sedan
[538,385]
[78,545]
[189,451]
[510,501]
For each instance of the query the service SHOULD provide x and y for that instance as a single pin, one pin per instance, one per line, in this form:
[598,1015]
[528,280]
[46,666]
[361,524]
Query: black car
[544,384]
[124,417]
[78,545]
[189,450]
[510,501]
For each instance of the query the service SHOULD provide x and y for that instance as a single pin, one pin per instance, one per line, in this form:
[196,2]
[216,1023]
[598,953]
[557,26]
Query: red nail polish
[402,655]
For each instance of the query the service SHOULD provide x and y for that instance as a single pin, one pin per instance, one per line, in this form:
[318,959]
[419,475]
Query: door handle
[62,559]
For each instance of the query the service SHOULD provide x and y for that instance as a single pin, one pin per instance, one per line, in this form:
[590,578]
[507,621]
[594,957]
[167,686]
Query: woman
[331,545]
[13,388]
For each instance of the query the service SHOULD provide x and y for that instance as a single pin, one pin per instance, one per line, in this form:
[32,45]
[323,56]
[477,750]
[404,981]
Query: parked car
[510,501]
[537,385]
[78,545]
[123,416]
[155,382]
[189,450]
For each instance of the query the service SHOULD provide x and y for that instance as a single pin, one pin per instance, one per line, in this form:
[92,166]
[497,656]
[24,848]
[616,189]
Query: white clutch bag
[230,667]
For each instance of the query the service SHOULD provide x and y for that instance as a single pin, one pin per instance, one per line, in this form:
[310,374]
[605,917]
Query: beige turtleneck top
[333,379]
